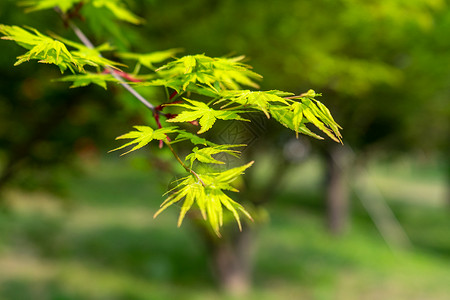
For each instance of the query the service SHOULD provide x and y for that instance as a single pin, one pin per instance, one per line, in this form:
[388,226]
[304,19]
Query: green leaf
[322,112]
[119,10]
[188,202]
[88,78]
[193,70]
[204,155]
[230,175]
[312,114]
[116,7]
[64,5]
[297,118]
[54,51]
[295,114]
[189,63]
[259,100]
[285,116]
[195,139]
[206,115]
[208,196]
[305,130]
[144,135]
[289,116]
[149,59]
[42,48]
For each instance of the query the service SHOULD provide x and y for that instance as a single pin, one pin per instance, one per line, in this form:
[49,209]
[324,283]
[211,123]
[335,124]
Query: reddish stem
[124,75]
[174,93]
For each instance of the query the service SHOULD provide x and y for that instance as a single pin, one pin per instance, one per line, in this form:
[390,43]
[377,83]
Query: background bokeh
[367,220]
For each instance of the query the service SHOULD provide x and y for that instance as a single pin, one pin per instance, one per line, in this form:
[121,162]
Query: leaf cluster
[199,72]
[53,51]
[209,196]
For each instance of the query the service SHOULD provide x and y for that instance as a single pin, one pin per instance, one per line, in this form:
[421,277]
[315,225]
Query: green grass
[104,244]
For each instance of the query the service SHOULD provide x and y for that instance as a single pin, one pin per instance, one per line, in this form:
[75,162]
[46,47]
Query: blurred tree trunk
[232,255]
[337,191]
[232,258]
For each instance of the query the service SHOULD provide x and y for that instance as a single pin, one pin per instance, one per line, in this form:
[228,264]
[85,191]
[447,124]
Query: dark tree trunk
[337,192]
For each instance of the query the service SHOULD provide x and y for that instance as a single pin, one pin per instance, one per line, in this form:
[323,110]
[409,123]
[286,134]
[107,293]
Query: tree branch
[189,170]
[84,39]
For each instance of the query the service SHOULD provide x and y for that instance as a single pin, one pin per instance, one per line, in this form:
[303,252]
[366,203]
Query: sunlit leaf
[195,139]
[259,100]
[42,48]
[209,197]
[204,155]
[149,59]
[119,10]
[89,78]
[228,73]
[116,7]
[64,5]
[144,135]
[54,51]
[205,114]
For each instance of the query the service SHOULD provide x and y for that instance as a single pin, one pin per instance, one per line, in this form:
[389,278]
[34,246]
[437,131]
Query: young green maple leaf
[195,139]
[223,179]
[149,59]
[286,117]
[317,113]
[206,115]
[231,73]
[42,48]
[64,5]
[204,155]
[81,80]
[296,114]
[312,117]
[320,111]
[193,70]
[144,135]
[209,196]
[116,7]
[259,100]
[54,51]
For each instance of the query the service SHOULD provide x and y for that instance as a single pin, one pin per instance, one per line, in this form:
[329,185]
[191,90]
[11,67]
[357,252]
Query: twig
[189,170]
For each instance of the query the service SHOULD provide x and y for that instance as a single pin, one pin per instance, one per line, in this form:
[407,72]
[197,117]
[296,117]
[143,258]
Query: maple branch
[189,170]
[84,39]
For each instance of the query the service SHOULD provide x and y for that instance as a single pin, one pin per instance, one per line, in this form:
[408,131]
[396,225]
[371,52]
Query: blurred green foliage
[109,247]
